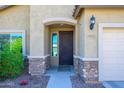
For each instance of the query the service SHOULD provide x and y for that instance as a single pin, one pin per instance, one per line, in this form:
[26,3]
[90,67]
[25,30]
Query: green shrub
[11,59]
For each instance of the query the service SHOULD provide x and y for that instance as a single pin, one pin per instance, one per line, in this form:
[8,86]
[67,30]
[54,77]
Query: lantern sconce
[92,22]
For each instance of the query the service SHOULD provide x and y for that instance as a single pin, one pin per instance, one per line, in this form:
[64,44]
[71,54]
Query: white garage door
[112,68]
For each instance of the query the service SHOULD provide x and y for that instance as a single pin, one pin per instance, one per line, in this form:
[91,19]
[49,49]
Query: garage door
[112,68]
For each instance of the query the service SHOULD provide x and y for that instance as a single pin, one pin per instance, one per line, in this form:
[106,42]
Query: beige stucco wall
[37,15]
[102,15]
[16,18]
[47,40]
[80,36]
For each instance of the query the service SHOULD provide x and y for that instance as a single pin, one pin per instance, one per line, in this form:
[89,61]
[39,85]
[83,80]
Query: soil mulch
[33,81]
[77,82]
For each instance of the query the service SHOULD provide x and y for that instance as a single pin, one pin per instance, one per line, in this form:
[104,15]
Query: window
[11,41]
[54,44]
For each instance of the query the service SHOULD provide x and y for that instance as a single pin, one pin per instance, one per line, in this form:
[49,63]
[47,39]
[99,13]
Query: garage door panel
[113,56]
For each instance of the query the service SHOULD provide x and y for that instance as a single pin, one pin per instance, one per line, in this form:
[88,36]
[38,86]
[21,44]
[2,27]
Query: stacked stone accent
[87,70]
[81,68]
[47,61]
[90,71]
[76,65]
[38,66]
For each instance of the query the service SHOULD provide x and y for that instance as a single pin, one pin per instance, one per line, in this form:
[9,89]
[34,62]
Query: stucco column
[85,66]
[76,39]
[37,60]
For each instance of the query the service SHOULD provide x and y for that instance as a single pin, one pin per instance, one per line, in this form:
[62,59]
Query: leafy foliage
[11,59]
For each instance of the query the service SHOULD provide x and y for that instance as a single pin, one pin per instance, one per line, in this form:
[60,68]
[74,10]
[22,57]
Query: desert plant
[11,62]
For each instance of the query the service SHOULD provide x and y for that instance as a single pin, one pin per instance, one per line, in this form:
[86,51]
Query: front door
[66,48]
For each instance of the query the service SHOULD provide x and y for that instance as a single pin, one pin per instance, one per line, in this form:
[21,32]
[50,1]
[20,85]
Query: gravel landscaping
[33,81]
[77,82]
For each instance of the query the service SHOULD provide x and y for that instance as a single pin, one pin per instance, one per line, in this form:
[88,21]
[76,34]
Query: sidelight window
[54,44]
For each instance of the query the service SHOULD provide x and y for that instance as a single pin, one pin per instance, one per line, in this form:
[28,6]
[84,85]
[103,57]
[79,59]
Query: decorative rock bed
[77,82]
[32,82]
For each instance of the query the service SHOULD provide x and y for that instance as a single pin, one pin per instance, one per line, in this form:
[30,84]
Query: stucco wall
[47,40]
[16,18]
[102,15]
[37,15]
[81,31]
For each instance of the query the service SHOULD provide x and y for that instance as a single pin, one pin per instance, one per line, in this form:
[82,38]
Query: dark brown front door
[66,48]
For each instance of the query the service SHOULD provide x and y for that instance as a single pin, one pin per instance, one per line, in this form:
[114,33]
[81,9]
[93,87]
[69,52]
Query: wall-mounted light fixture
[92,22]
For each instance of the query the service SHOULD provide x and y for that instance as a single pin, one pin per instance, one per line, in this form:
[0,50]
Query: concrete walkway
[59,78]
[113,84]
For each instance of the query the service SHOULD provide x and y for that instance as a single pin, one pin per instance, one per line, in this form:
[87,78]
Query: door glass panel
[54,44]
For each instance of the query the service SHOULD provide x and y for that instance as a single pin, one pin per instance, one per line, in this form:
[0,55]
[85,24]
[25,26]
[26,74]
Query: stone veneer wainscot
[38,66]
[87,70]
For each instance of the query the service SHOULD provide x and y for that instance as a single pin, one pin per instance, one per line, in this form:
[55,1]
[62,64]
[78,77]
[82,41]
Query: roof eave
[78,9]
[3,6]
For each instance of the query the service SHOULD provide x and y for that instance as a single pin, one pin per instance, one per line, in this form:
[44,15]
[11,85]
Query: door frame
[100,43]
[17,31]
[56,30]
[54,57]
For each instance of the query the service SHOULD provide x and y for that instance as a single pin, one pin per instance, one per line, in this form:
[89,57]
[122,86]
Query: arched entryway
[59,40]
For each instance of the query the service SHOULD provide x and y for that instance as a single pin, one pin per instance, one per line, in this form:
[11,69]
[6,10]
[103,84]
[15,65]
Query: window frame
[6,31]
[52,43]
